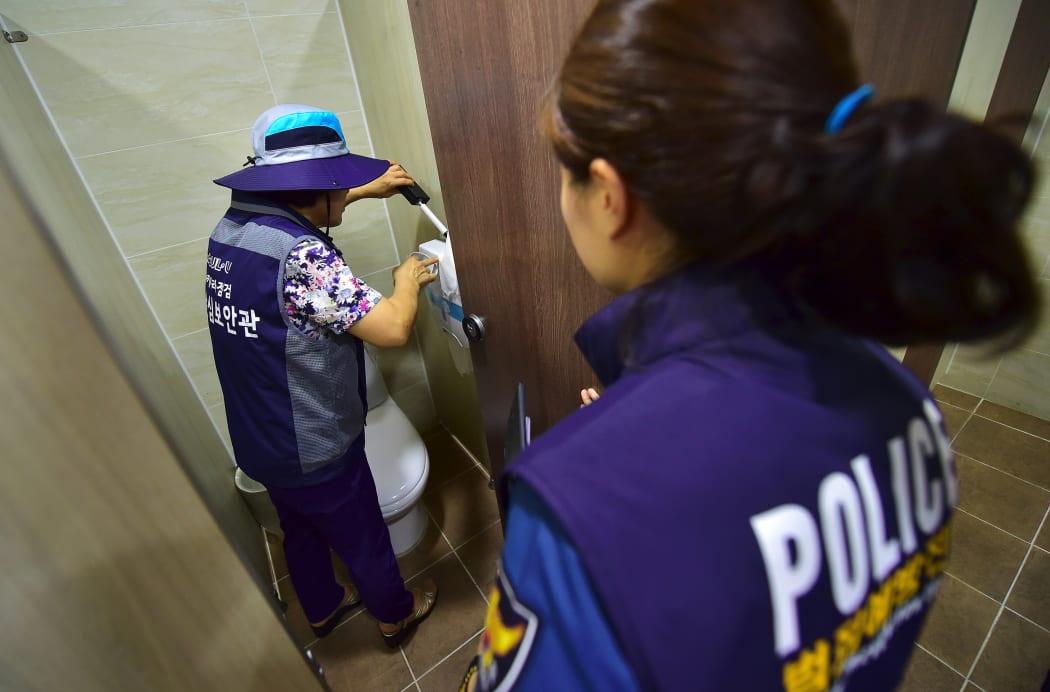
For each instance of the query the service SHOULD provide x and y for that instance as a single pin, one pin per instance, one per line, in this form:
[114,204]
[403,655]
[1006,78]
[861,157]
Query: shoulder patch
[510,631]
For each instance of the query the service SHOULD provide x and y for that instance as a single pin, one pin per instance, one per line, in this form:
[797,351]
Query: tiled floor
[989,629]
[990,626]
[459,550]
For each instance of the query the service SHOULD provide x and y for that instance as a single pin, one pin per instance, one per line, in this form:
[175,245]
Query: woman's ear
[611,199]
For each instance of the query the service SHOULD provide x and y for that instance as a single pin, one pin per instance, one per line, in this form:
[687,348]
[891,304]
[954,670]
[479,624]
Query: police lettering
[849,535]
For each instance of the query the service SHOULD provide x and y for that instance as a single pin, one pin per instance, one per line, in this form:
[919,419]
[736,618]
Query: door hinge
[16,36]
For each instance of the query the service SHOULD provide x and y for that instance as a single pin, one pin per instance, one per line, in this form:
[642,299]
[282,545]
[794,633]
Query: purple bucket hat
[302,148]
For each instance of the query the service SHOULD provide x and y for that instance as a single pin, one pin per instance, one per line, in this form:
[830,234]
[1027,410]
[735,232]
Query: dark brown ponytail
[901,227]
[909,233]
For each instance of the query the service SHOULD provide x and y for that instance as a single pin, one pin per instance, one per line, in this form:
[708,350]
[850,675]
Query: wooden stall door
[485,69]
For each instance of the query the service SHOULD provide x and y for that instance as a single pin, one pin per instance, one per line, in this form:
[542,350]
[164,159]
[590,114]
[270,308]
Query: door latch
[474,328]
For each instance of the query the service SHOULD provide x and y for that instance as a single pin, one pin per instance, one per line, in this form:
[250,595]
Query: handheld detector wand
[416,196]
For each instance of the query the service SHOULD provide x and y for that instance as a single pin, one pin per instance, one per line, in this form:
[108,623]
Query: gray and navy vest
[294,405]
[760,502]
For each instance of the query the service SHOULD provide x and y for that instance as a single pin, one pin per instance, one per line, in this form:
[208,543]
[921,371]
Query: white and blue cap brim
[300,147]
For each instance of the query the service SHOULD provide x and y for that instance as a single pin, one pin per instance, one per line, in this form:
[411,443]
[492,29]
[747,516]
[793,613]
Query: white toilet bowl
[400,466]
[399,462]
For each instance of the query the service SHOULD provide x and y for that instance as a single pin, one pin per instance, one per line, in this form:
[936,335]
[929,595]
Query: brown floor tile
[1031,594]
[354,657]
[1009,450]
[1015,419]
[463,507]
[1017,656]
[926,674]
[1043,541]
[481,555]
[983,556]
[449,673]
[954,418]
[447,459]
[947,395]
[958,623]
[431,548]
[458,615]
[1000,499]
[276,543]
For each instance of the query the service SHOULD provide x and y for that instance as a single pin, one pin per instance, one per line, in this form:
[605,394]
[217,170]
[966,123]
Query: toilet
[398,459]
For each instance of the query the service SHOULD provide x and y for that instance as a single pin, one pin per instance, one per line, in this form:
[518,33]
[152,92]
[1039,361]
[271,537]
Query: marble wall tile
[1033,137]
[123,88]
[49,16]
[382,281]
[402,367]
[307,61]
[218,417]
[364,237]
[1040,340]
[897,352]
[195,353]
[1035,226]
[1036,235]
[970,370]
[162,195]
[356,133]
[1023,383]
[982,57]
[1038,210]
[418,406]
[1037,221]
[258,8]
[1041,191]
[173,281]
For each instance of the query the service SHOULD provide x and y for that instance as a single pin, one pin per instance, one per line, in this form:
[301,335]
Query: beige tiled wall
[156,98]
[381,38]
[1021,379]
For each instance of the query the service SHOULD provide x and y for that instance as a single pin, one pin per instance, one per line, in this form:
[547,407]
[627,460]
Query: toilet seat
[398,458]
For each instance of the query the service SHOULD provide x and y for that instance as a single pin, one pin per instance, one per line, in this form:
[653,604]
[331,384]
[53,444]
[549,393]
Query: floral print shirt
[320,292]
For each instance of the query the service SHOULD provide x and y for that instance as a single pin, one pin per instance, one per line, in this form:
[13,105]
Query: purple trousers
[341,514]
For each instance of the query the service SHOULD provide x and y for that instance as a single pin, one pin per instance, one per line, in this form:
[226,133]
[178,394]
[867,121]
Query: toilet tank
[377,392]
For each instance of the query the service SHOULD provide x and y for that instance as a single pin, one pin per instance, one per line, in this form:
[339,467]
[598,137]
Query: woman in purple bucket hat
[287,320]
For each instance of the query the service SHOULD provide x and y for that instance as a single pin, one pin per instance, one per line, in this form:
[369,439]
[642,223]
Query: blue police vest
[294,405]
[759,503]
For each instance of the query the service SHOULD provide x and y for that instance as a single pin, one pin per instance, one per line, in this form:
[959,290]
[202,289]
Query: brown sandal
[427,597]
[351,600]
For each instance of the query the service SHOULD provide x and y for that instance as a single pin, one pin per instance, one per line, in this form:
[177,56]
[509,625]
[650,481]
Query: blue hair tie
[844,108]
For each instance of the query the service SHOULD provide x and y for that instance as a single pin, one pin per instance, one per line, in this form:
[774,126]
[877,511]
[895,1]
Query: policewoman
[287,320]
[761,497]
